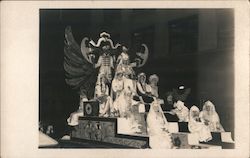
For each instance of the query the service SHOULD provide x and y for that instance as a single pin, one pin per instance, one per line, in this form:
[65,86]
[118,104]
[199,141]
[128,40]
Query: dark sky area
[185,46]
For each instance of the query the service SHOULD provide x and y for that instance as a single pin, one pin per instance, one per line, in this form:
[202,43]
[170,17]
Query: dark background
[193,47]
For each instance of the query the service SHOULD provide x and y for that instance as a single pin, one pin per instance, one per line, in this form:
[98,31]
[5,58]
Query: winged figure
[82,61]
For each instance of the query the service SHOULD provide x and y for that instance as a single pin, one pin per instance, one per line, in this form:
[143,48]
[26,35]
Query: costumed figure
[168,106]
[102,95]
[80,61]
[157,125]
[196,126]
[117,89]
[105,62]
[122,103]
[169,102]
[132,113]
[210,117]
[123,63]
[181,111]
[106,59]
[153,81]
[143,89]
[117,84]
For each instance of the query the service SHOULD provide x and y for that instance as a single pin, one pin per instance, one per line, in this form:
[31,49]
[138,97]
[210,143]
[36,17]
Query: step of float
[191,141]
[206,146]
[104,130]
[223,139]
[175,127]
[186,140]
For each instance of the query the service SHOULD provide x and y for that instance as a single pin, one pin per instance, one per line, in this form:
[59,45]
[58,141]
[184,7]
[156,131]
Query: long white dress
[198,127]
[159,137]
[121,102]
[117,87]
[211,118]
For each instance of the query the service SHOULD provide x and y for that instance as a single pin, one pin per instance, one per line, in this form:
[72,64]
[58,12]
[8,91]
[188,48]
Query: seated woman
[196,126]
[168,101]
[168,106]
[143,89]
[210,117]
[157,125]
[181,111]
[102,95]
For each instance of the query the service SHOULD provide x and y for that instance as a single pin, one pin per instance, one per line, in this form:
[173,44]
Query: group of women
[199,123]
[127,97]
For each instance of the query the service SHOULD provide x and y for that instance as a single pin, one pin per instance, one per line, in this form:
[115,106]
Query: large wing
[80,73]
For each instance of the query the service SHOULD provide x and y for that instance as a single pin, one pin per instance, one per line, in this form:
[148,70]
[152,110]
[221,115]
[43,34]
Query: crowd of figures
[135,97]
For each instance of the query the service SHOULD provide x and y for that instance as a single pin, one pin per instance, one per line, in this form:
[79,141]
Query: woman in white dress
[117,84]
[181,111]
[196,126]
[157,125]
[210,117]
[102,95]
[143,89]
[153,81]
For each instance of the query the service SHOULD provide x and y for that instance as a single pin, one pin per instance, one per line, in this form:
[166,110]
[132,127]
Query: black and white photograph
[146,79]
[136,78]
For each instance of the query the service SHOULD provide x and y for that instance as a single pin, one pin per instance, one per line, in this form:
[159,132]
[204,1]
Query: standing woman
[210,117]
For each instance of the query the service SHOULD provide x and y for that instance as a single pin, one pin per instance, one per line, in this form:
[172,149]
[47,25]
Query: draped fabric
[79,73]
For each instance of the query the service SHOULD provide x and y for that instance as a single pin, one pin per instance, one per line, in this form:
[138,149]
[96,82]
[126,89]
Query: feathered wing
[80,74]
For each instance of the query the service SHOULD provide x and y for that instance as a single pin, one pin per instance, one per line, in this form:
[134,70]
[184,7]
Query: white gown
[159,137]
[121,104]
[198,127]
[211,117]
[181,111]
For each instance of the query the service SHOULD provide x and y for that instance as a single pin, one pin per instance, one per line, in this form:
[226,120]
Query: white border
[19,79]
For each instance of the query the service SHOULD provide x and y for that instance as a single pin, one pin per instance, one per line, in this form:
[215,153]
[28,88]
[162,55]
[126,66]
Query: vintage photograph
[137,78]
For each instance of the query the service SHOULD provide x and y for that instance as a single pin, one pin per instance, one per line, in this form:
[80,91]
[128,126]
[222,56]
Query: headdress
[194,108]
[141,74]
[104,34]
[210,104]
[154,76]
[124,48]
